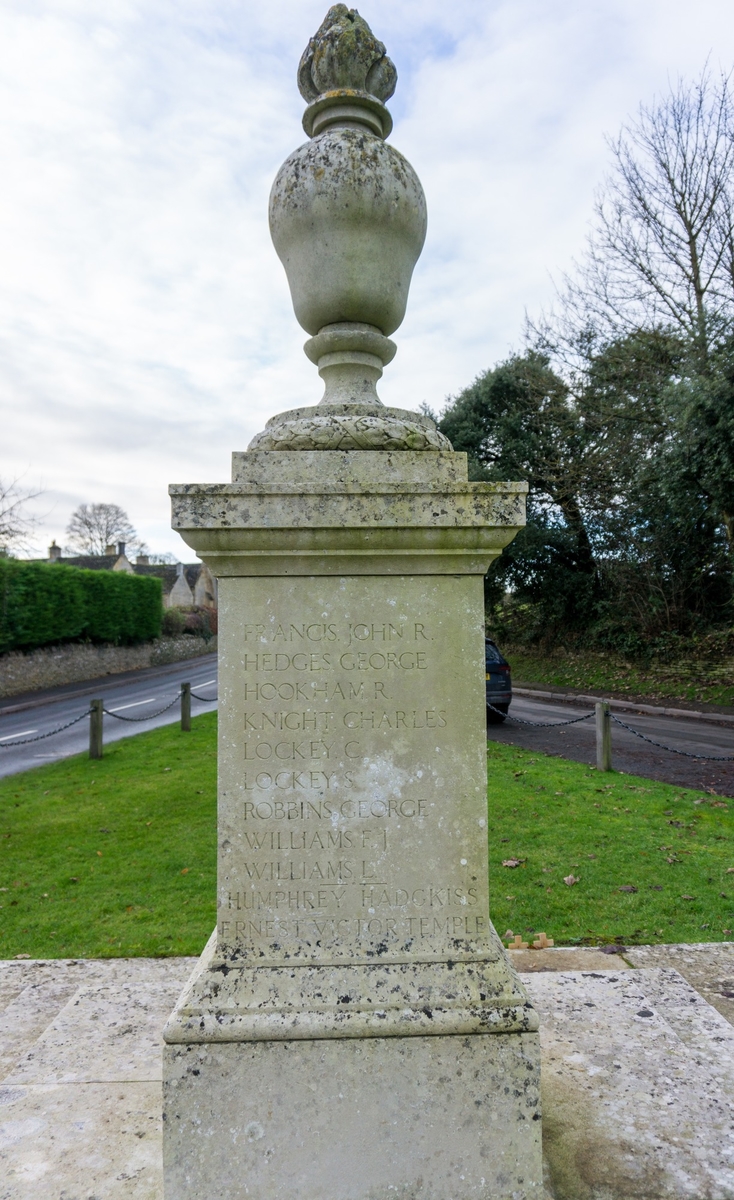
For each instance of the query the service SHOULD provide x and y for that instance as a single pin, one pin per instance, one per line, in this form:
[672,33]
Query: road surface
[629,753]
[129,697]
[153,689]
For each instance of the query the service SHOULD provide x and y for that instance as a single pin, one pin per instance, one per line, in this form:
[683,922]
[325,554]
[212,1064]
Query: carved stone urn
[348,221]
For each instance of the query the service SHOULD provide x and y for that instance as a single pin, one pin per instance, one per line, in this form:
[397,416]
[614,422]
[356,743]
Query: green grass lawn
[609,831]
[696,680]
[114,857]
[118,857]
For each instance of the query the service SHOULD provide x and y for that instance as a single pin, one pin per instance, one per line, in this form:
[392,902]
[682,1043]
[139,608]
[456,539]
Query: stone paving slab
[708,967]
[636,1107]
[92,1142]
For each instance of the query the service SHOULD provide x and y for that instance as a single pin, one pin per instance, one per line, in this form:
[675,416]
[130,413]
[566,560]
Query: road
[131,695]
[629,754]
[128,697]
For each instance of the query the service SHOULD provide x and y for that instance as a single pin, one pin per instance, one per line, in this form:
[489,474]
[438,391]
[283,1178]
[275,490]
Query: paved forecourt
[637,1068]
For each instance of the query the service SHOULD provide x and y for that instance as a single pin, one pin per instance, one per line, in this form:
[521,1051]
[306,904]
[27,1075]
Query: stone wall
[75,663]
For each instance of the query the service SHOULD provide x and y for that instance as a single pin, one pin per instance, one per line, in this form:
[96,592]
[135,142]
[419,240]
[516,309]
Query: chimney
[54,551]
[120,549]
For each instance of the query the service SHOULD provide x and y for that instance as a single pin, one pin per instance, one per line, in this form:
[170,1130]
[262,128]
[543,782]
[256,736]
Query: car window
[492,654]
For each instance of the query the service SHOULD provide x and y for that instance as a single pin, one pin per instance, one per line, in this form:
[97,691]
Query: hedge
[42,604]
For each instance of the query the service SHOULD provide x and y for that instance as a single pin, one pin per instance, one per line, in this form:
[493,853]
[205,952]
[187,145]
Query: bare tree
[15,523]
[662,250]
[94,527]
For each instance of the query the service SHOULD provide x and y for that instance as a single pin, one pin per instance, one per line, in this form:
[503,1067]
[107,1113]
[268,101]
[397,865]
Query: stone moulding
[350,427]
[354,518]
[227,1002]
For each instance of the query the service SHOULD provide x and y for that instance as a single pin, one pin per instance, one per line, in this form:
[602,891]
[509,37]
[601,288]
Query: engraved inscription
[348,828]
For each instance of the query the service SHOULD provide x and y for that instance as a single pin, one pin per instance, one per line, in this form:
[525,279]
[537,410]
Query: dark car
[499,683]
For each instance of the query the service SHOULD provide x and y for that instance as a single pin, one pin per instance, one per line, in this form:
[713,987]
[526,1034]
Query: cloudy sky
[146,329]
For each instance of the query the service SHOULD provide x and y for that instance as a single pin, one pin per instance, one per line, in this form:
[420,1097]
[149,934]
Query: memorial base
[398,1118]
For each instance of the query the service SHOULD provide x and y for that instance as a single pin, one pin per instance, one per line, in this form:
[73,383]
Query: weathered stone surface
[637,1087]
[355,1119]
[347,514]
[348,221]
[353,908]
[84,1139]
[344,53]
[566,958]
[345,427]
[708,967]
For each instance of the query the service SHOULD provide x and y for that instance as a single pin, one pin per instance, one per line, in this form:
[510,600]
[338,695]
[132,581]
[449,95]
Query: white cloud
[145,323]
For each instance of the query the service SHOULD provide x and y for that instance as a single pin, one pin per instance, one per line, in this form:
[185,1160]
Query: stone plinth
[354,1028]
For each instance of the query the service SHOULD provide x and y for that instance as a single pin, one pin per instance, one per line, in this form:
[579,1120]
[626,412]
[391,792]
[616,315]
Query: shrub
[173,622]
[42,604]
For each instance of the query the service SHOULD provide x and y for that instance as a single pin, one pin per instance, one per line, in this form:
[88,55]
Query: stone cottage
[183,584]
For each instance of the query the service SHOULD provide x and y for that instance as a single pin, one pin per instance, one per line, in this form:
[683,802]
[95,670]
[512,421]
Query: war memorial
[354,1027]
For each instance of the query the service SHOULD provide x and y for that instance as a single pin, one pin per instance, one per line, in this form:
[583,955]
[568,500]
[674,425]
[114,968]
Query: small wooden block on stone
[543,942]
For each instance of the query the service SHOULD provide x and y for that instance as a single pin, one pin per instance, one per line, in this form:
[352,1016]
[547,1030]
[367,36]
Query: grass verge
[118,857]
[113,858]
[698,681]
[670,848]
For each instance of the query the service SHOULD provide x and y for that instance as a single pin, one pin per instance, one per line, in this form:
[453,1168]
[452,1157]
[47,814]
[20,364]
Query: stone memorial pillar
[354,1029]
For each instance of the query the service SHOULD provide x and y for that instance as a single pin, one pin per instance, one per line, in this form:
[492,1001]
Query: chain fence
[90,712]
[673,749]
[505,716]
[538,724]
[40,736]
[610,716]
[148,716]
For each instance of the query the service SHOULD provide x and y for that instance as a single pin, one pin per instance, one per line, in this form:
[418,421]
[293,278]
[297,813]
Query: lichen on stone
[344,53]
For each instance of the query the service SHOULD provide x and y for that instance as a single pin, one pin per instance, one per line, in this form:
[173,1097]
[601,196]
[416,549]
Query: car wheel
[497,714]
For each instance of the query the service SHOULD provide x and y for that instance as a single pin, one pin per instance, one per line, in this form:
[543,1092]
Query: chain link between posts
[538,724]
[673,749]
[39,737]
[118,717]
[624,725]
[147,717]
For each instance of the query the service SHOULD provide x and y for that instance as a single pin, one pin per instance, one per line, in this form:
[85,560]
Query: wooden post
[186,707]
[96,717]
[603,736]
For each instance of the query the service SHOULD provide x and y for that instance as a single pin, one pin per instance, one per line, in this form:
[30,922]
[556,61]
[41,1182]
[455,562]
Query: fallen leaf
[570,880]
[185,871]
[513,862]
[627,887]
[688,897]
[22,956]
[99,854]
[507,934]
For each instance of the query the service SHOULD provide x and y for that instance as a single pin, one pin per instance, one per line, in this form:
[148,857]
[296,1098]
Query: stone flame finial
[344,53]
[345,75]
